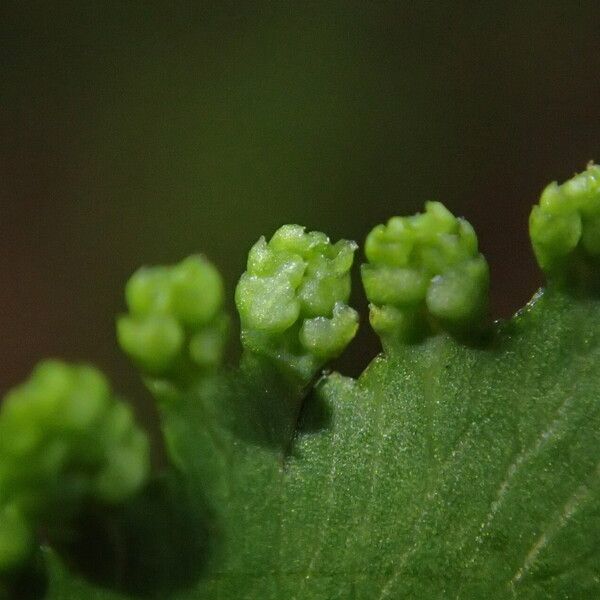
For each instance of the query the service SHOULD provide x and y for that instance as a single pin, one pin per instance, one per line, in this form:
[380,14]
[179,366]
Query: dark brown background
[133,133]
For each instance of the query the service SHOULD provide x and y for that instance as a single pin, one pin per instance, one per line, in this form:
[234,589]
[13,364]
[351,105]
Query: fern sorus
[463,463]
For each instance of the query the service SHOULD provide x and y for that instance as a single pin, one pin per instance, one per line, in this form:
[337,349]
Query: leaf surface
[446,470]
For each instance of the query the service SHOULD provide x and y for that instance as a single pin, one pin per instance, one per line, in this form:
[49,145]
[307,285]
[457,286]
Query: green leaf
[463,463]
[444,471]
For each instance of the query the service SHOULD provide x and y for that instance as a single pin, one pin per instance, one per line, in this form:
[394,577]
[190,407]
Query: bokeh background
[139,132]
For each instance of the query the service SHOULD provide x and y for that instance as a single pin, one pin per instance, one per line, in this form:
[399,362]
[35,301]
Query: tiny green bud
[206,346]
[154,342]
[326,337]
[196,291]
[125,469]
[176,323]
[16,539]
[424,273]
[455,295]
[293,297]
[565,226]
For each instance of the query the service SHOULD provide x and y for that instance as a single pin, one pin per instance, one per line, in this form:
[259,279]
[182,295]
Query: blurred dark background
[137,133]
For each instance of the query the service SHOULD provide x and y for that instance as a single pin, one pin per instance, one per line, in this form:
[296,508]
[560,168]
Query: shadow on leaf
[155,545]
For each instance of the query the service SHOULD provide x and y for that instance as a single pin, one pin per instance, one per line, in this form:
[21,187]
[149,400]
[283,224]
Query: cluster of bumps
[66,439]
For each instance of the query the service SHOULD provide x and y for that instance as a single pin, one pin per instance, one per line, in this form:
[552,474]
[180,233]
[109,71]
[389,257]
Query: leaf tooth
[82,446]
[424,274]
[565,229]
[292,300]
[176,328]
